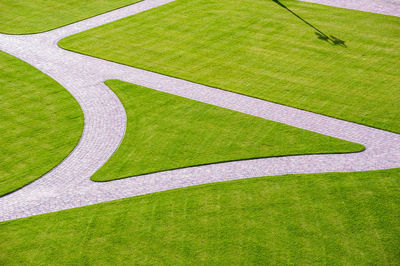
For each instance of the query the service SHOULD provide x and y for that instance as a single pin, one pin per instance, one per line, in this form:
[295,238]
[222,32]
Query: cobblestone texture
[386,7]
[69,185]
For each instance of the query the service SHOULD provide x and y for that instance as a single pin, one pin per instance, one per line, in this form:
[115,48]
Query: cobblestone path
[68,185]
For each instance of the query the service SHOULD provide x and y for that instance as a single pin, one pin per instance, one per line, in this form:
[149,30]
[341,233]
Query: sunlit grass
[32,16]
[40,123]
[259,48]
[341,219]
[166,132]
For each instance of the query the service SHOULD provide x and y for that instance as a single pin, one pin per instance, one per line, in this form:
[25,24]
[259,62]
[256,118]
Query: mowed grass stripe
[259,48]
[40,123]
[166,132]
[335,218]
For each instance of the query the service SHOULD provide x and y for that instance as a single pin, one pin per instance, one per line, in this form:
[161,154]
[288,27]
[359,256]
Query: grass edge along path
[41,123]
[332,218]
[260,49]
[29,17]
[166,132]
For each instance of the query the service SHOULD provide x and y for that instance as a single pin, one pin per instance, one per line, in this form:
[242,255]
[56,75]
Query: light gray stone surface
[68,185]
[386,7]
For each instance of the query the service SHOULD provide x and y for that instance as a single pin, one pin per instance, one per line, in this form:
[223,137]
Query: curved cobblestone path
[68,185]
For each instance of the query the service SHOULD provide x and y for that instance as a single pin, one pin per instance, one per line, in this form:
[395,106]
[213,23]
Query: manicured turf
[32,16]
[165,132]
[40,123]
[343,219]
[254,47]
[259,48]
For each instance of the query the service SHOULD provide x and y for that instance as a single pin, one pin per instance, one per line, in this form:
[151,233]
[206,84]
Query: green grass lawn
[254,47]
[259,48]
[165,132]
[334,219]
[40,123]
[32,16]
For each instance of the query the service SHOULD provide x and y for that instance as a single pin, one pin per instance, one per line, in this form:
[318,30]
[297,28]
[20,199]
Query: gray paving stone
[68,185]
[386,7]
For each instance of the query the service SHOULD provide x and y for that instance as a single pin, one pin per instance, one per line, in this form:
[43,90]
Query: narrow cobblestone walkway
[69,185]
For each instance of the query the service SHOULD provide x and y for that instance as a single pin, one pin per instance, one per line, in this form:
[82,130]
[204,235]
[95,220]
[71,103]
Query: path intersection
[68,185]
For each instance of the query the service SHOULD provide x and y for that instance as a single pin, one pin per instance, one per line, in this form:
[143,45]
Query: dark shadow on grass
[320,35]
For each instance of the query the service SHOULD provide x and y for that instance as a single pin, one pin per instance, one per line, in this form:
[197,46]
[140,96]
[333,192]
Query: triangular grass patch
[167,132]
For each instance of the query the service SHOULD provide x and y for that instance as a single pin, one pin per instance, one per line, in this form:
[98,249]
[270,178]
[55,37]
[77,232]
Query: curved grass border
[59,149]
[201,223]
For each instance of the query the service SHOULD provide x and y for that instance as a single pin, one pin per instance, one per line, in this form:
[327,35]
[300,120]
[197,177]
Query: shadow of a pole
[320,35]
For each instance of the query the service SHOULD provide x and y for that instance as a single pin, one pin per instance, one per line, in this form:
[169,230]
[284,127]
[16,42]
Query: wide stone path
[68,185]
